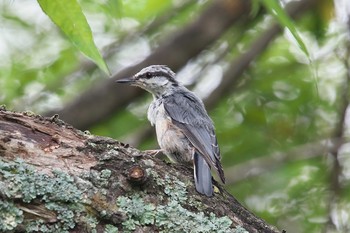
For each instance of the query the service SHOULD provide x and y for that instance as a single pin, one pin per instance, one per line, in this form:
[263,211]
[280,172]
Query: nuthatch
[185,133]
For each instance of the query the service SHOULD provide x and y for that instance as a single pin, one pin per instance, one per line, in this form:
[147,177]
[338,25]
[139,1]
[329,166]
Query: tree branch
[102,99]
[240,64]
[56,178]
[259,166]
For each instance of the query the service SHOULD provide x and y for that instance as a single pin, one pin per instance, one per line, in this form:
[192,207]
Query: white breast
[169,137]
[157,116]
[153,111]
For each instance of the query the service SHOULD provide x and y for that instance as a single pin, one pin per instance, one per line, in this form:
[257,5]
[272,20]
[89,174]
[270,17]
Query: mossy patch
[56,193]
[171,216]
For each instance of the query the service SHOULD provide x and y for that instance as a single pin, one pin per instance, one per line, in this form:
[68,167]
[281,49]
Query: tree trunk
[55,178]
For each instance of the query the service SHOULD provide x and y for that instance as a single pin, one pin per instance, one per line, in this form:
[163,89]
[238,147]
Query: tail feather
[202,175]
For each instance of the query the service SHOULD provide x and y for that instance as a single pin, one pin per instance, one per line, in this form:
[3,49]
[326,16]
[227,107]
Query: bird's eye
[148,75]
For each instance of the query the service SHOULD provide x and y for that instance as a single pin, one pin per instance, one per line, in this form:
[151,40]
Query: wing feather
[188,113]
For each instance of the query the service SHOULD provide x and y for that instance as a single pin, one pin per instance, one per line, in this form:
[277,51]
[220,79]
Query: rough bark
[55,178]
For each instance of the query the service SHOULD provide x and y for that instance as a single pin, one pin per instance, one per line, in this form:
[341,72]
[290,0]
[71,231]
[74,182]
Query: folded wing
[188,113]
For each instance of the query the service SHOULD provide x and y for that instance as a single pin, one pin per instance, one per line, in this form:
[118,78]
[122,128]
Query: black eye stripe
[149,75]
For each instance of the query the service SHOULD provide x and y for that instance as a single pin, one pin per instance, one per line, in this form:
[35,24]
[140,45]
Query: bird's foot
[152,152]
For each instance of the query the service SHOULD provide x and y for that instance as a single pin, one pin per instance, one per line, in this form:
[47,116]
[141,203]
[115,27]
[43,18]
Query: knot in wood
[137,174]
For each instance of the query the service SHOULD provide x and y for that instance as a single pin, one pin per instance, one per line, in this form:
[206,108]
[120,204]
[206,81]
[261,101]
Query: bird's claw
[152,152]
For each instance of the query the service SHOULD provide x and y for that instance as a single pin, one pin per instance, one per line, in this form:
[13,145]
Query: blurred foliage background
[281,111]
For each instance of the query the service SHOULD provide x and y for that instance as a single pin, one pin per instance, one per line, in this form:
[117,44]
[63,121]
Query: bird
[185,132]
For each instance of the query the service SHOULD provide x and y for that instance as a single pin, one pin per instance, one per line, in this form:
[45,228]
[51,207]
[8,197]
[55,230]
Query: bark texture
[55,178]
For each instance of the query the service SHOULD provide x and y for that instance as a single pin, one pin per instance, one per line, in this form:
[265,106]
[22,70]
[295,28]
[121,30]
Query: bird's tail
[202,175]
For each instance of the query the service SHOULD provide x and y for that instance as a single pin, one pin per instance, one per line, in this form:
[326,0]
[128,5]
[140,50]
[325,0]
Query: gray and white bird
[185,132]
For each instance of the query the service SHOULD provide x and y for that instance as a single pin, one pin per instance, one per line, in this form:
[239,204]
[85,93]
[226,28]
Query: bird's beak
[130,80]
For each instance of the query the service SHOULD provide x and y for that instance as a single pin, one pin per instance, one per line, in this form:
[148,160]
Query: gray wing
[188,113]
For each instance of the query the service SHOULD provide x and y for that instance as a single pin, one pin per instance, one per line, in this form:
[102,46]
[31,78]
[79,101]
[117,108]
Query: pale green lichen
[108,154]
[137,211]
[171,216]
[58,192]
[22,181]
[106,174]
[66,216]
[240,229]
[148,162]
[37,226]
[173,188]
[111,229]
[100,178]
[10,216]
[65,219]
[90,223]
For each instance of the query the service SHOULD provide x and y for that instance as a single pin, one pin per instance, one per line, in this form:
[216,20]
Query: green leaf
[68,16]
[255,8]
[277,11]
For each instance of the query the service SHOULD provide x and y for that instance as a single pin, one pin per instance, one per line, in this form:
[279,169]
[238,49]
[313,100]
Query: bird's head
[156,79]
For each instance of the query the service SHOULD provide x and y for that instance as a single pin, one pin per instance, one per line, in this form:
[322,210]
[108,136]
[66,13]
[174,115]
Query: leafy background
[283,125]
